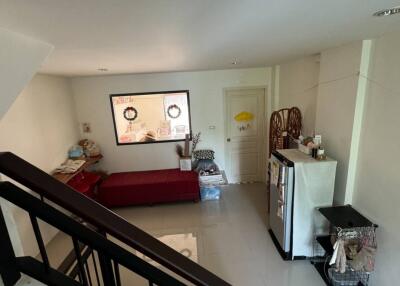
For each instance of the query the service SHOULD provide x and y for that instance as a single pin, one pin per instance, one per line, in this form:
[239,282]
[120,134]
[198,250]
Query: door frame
[265,131]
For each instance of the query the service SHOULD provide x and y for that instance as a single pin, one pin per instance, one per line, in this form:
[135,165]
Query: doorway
[244,134]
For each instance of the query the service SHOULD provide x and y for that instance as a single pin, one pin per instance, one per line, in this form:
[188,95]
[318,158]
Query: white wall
[358,83]
[91,96]
[337,94]
[298,86]
[40,126]
[377,190]
[20,57]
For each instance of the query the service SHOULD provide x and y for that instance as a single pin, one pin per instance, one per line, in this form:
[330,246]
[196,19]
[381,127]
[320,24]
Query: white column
[366,53]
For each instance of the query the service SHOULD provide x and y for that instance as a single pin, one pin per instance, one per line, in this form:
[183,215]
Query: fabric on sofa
[149,187]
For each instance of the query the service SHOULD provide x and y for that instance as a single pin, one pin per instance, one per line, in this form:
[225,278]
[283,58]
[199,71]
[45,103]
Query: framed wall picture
[151,117]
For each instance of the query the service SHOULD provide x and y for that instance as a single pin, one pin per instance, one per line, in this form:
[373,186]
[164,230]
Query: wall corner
[362,89]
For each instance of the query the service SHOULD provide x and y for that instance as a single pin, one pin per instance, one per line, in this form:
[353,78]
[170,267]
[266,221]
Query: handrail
[36,270]
[109,222]
[79,232]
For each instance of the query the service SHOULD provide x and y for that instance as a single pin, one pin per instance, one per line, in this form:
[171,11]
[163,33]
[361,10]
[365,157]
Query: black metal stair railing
[108,251]
[70,267]
[87,242]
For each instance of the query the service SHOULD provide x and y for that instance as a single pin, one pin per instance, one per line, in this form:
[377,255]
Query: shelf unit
[343,217]
[325,242]
[65,178]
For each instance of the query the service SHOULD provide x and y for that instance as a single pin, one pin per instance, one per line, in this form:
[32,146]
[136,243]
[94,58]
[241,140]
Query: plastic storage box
[210,192]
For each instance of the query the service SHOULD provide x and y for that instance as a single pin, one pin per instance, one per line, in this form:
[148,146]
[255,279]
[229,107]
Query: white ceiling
[138,36]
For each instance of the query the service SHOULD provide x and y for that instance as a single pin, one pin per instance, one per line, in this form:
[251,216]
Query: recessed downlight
[102,69]
[387,12]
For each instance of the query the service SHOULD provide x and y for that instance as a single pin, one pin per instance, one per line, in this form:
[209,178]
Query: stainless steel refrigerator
[298,185]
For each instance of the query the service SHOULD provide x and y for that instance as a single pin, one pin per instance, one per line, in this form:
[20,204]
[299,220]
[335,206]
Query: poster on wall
[151,117]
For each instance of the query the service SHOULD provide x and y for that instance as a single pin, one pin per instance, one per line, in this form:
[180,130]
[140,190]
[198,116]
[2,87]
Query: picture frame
[151,117]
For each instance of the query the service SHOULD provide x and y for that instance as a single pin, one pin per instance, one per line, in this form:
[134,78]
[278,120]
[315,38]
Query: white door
[244,131]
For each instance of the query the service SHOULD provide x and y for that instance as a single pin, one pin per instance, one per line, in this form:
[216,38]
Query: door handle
[228,140]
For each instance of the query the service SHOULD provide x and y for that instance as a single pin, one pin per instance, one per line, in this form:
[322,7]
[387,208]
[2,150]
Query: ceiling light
[102,69]
[387,12]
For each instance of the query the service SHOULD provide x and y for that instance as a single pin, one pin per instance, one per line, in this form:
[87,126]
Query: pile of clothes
[204,162]
[354,254]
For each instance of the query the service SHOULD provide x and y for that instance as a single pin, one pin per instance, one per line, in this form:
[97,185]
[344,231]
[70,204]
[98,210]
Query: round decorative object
[294,122]
[275,131]
[174,111]
[130,113]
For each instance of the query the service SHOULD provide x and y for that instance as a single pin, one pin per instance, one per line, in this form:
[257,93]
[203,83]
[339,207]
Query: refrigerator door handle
[281,191]
[280,212]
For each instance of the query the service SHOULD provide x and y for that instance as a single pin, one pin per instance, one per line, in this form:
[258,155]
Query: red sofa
[149,187]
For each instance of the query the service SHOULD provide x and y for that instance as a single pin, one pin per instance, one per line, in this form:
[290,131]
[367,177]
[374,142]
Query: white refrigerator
[298,185]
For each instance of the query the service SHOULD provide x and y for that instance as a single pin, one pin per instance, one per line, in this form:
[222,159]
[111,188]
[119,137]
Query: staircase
[95,259]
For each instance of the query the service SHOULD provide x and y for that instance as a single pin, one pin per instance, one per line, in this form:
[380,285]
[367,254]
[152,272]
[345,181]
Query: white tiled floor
[228,237]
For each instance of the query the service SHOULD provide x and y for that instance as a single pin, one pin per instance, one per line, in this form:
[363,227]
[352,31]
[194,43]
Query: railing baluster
[8,268]
[95,268]
[39,240]
[88,273]
[106,270]
[80,262]
[117,275]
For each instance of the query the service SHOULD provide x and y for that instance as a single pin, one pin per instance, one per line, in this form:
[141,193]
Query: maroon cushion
[92,178]
[85,182]
[82,187]
[147,187]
